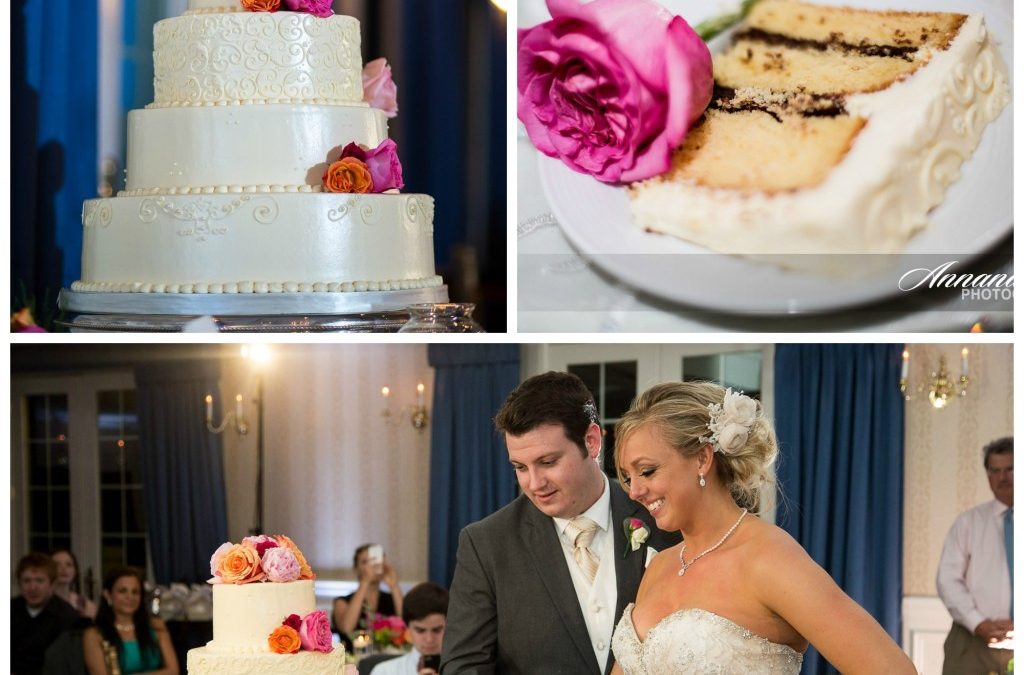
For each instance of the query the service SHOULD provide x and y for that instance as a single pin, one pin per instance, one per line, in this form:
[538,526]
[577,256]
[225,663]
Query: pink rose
[315,632]
[321,8]
[215,562]
[385,169]
[379,90]
[611,87]
[280,565]
[260,543]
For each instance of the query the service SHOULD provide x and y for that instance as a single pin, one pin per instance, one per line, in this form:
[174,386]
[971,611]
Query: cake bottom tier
[258,243]
[203,662]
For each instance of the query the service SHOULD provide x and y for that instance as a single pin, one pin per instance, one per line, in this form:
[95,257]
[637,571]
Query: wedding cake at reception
[264,614]
[263,166]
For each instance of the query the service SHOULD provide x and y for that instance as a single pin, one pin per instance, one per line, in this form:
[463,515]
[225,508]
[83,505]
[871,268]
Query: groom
[540,584]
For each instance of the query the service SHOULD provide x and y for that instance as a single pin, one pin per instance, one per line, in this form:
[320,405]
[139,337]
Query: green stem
[716,25]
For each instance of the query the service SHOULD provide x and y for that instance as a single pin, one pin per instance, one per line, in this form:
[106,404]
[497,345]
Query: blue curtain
[839,417]
[469,471]
[53,143]
[182,468]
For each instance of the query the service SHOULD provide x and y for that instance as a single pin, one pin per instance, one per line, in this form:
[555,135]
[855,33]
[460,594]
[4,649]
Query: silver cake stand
[356,312]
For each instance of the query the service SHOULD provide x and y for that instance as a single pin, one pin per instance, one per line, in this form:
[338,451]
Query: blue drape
[839,418]
[469,471]
[182,468]
[53,143]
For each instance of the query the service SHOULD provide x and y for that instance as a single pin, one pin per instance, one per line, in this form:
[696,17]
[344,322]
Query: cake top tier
[214,6]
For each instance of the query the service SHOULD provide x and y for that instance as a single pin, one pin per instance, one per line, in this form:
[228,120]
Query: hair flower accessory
[730,422]
[636,534]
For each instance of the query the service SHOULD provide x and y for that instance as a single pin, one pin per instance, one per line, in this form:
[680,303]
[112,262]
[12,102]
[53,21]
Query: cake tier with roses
[263,164]
[264,613]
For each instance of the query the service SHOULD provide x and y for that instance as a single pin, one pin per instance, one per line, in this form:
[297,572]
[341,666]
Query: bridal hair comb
[730,422]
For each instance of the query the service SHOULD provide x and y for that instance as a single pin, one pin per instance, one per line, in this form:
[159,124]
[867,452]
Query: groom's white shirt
[597,601]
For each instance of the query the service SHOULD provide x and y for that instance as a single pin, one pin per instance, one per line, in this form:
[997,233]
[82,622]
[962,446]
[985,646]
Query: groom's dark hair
[551,398]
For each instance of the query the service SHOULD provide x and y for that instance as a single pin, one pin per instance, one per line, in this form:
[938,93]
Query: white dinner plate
[976,214]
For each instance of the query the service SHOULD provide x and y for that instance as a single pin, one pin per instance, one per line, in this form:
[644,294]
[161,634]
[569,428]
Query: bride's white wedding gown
[698,641]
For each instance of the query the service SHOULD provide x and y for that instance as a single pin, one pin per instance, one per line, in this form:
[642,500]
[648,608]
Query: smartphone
[375,554]
[432,661]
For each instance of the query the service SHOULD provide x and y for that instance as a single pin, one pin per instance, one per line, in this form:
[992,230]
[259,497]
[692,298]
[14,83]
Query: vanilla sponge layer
[258,243]
[273,147]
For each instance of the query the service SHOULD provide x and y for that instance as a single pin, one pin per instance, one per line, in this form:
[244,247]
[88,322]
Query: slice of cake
[831,130]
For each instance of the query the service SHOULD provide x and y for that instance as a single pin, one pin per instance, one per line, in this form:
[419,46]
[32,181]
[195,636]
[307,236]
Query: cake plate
[356,312]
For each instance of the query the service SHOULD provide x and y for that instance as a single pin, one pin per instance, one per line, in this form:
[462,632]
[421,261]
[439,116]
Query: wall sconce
[941,386]
[417,413]
[237,416]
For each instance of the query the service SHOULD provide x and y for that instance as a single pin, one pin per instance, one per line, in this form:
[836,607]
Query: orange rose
[261,5]
[284,640]
[305,571]
[240,565]
[348,175]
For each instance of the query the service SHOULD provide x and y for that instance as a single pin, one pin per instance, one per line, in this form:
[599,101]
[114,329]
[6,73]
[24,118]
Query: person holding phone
[425,613]
[372,568]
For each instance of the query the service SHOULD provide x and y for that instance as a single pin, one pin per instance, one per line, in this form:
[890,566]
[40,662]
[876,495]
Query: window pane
[39,511]
[37,456]
[743,372]
[620,387]
[39,544]
[59,475]
[112,555]
[110,510]
[110,463]
[60,505]
[136,514]
[130,416]
[135,552]
[590,373]
[132,472]
[36,416]
[59,417]
[701,368]
[108,411]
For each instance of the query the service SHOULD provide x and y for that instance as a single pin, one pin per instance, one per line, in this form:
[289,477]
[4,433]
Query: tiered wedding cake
[225,189]
[264,614]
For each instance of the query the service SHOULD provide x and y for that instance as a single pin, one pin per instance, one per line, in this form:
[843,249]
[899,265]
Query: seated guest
[38,616]
[66,586]
[368,599]
[425,613]
[123,627]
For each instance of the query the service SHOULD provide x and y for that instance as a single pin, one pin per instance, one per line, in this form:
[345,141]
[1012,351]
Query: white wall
[336,474]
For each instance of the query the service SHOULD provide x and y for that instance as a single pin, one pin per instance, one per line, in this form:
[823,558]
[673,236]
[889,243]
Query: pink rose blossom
[260,543]
[379,90]
[280,565]
[215,561]
[611,87]
[321,8]
[385,169]
[315,632]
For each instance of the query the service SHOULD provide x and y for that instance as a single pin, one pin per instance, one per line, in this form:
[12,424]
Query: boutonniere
[636,534]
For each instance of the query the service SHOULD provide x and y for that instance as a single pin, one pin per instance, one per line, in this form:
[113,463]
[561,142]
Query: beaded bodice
[700,642]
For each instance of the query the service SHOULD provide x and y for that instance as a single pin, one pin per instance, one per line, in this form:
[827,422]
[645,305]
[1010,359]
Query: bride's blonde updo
[681,412]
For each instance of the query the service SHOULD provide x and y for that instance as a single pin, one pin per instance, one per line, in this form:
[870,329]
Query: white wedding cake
[225,191]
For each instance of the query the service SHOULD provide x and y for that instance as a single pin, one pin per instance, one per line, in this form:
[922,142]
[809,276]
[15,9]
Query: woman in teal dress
[141,642]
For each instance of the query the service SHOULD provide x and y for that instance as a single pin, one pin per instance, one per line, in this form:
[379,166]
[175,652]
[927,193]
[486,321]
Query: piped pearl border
[244,287]
[257,101]
[217,190]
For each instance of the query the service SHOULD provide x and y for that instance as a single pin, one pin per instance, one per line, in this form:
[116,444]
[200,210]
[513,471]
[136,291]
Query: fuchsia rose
[379,90]
[385,169]
[260,543]
[215,562]
[280,565]
[292,621]
[315,632]
[611,87]
[321,8]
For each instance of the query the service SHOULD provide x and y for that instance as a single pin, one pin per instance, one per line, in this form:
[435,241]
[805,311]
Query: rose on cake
[259,558]
[611,87]
[311,633]
[383,170]
[379,90]
[321,8]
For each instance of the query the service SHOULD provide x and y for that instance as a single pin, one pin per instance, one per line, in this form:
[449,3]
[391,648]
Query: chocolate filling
[779,40]
[800,103]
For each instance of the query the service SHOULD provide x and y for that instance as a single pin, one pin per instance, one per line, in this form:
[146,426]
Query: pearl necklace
[683,565]
[124,627]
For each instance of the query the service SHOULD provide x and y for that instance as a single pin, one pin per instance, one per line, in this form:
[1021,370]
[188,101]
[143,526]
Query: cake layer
[275,148]
[204,662]
[214,6]
[244,615]
[258,243]
[224,58]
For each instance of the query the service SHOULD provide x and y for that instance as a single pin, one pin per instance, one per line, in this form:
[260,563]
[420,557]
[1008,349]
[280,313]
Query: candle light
[963,362]
[238,407]
[209,408]
[419,394]
[906,364]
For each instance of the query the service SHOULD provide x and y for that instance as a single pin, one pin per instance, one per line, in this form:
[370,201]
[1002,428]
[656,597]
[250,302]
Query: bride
[739,594]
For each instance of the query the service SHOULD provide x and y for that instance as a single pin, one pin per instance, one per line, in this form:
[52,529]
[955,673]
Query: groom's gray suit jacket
[513,608]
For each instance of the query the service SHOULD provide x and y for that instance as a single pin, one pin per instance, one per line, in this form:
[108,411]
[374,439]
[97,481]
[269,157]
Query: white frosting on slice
[272,145]
[918,133]
[258,243]
[256,57]
[244,615]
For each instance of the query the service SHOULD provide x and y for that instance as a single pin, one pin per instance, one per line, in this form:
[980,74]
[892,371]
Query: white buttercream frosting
[918,133]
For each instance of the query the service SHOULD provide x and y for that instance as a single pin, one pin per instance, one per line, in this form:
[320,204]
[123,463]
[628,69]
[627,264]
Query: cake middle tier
[258,243]
[267,148]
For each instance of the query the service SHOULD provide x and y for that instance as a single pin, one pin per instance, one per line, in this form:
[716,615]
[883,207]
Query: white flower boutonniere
[636,534]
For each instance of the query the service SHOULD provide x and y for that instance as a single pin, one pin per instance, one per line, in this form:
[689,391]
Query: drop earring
[702,481]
